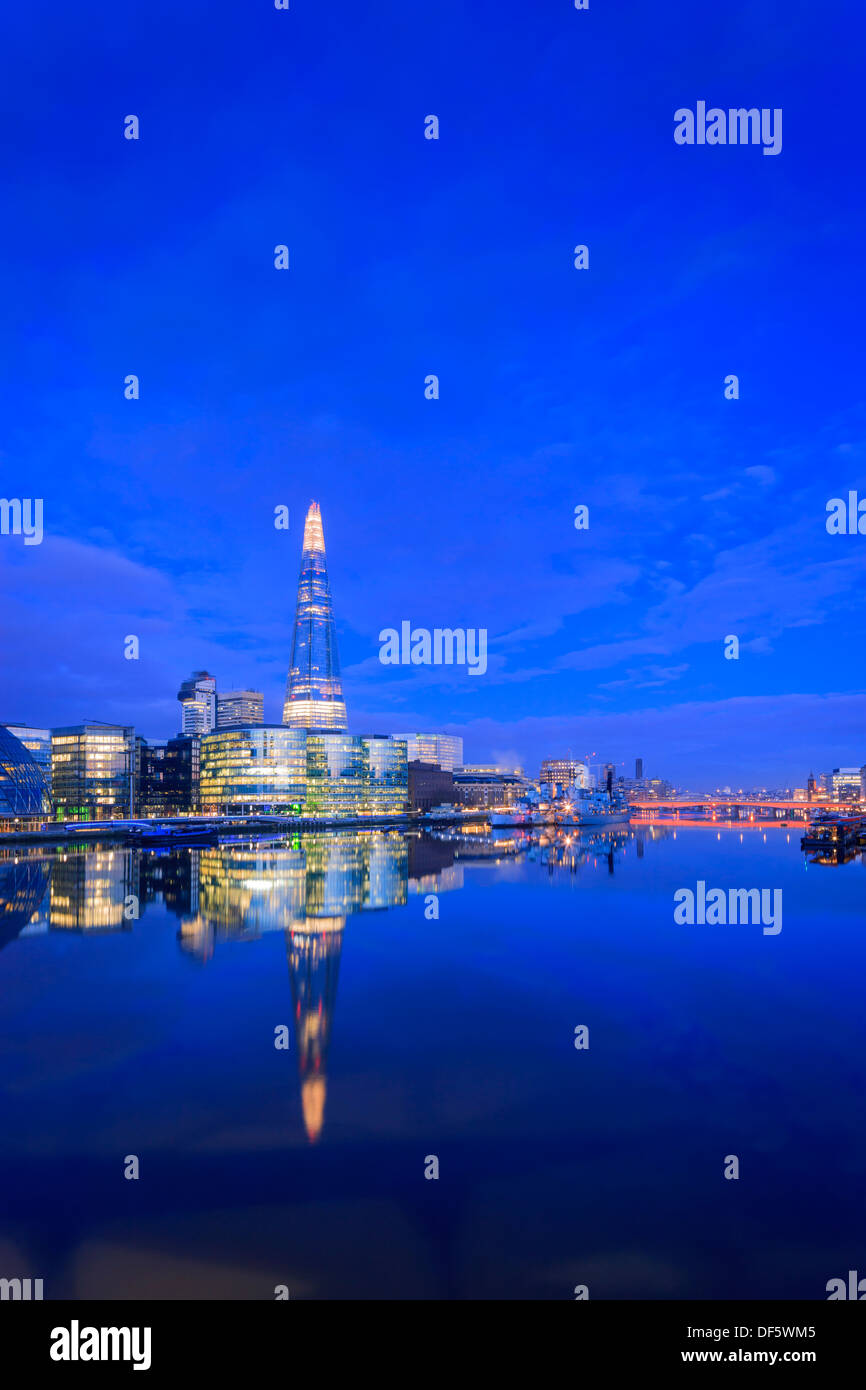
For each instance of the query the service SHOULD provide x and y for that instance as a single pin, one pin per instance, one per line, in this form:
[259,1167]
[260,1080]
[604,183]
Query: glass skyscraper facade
[387,775]
[270,768]
[259,766]
[337,775]
[310,764]
[314,691]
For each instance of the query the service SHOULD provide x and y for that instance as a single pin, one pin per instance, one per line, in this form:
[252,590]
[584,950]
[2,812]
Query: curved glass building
[23,790]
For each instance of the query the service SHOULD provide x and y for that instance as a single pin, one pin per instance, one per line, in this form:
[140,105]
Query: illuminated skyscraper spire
[314,691]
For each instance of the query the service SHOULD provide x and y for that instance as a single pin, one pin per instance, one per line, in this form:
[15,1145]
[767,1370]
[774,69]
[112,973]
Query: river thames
[284,1035]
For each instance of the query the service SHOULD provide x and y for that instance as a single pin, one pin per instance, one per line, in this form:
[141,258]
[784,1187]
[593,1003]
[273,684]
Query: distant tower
[810,787]
[638,769]
[198,702]
[314,691]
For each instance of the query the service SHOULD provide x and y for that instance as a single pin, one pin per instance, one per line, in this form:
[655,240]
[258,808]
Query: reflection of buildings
[307,890]
[89,891]
[242,891]
[593,848]
[22,887]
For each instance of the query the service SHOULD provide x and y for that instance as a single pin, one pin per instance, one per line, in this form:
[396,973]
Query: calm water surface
[412,1036]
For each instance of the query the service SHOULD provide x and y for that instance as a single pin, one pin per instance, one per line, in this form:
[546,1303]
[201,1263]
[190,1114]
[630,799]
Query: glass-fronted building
[337,775]
[38,743]
[23,790]
[388,775]
[93,771]
[256,767]
[276,770]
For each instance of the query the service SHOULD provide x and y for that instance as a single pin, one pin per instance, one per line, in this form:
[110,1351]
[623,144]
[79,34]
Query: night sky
[454,257]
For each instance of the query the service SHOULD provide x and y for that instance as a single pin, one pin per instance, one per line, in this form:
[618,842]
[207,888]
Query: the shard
[314,691]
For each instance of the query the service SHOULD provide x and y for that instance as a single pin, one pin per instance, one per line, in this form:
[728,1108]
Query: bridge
[742,808]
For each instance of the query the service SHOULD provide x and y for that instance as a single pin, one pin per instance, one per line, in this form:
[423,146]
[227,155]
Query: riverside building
[24,797]
[279,771]
[38,744]
[256,767]
[93,771]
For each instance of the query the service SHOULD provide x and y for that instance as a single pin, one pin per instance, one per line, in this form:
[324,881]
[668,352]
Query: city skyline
[313,690]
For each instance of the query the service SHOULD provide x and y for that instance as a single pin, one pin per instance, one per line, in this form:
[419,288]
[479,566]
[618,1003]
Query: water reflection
[239,891]
[22,888]
[306,886]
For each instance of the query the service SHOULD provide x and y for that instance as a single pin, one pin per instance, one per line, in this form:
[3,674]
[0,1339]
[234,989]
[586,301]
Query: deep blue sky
[409,257]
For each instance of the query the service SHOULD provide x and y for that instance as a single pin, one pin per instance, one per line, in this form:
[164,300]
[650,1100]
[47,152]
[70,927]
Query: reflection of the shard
[244,891]
[313,950]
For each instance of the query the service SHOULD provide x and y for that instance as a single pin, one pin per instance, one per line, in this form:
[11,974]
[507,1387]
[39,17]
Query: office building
[638,769]
[150,775]
[314,691]
[337,775]
[486,788]
[387,775]
[93,771]
[844,784]
[565,772]
[237,707]
[260,767]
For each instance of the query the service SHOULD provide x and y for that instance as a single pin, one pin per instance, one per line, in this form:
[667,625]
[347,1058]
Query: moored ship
[579,807]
